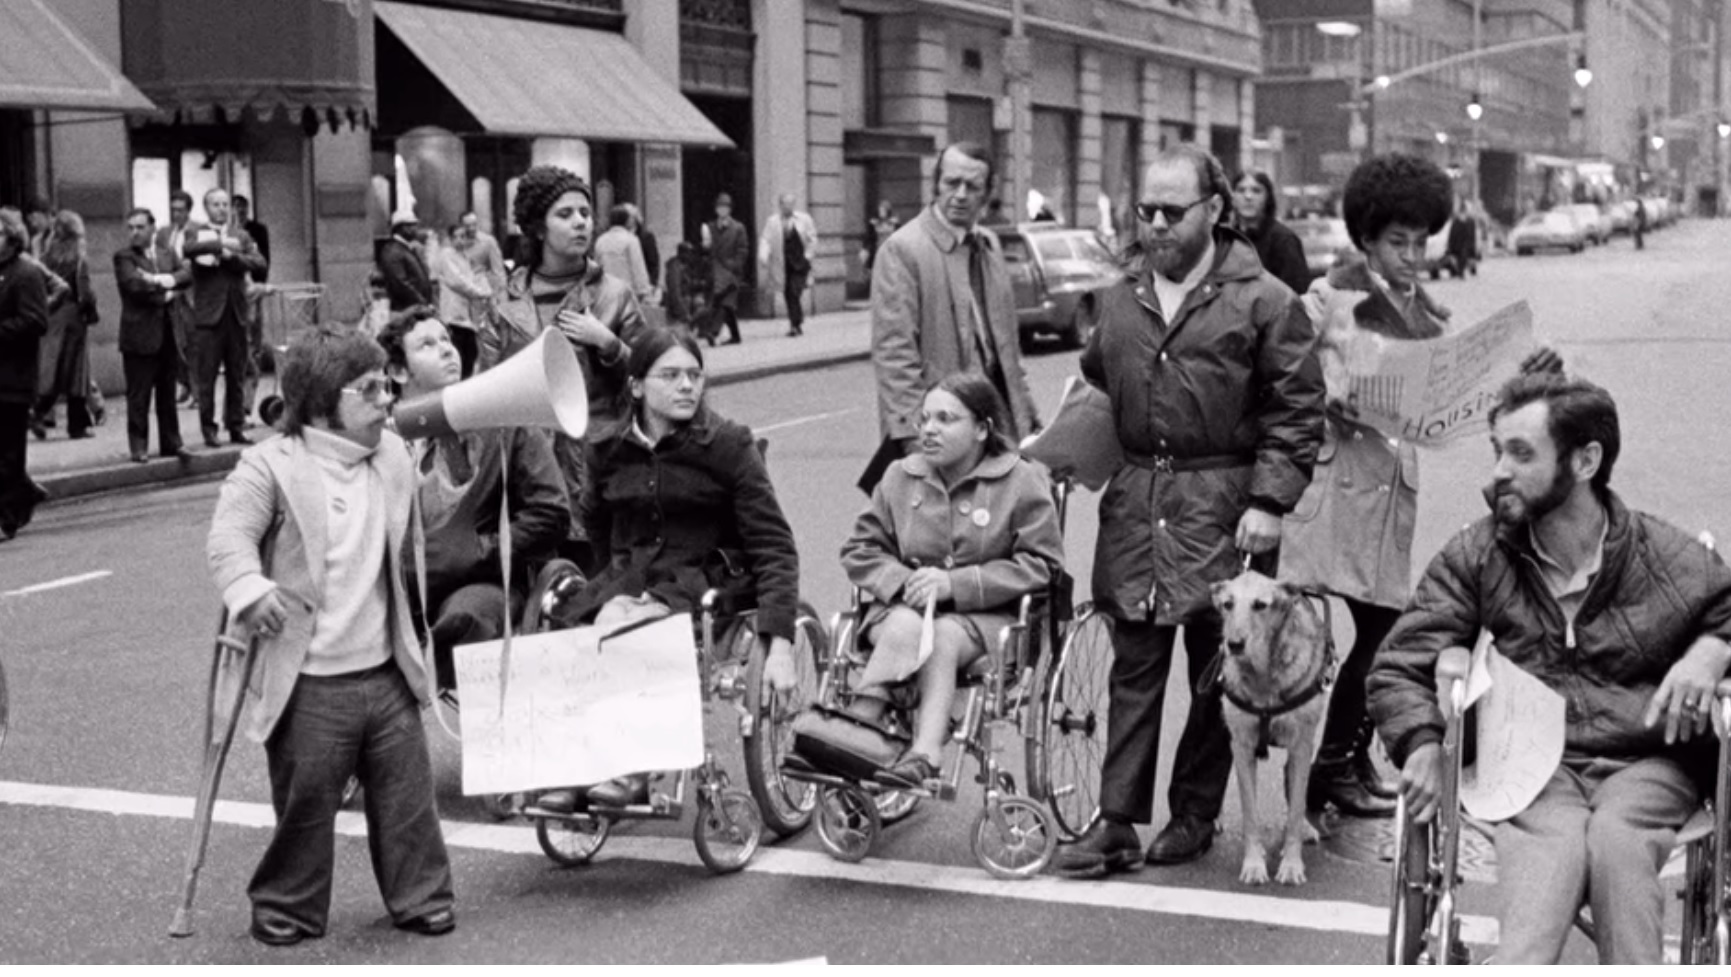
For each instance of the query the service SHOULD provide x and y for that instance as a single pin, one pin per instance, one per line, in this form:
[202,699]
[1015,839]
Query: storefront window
[151,185]
[1120,139]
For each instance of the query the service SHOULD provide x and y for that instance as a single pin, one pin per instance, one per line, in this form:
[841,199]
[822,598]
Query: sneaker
[1107,847]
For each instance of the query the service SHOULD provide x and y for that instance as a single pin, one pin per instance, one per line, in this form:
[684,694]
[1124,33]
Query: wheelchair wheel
[1014,838]
[571,842]
[1410,906]
[847,823]
[727,831]
[786,804]
[896,805]
[1069,739]
[1700,921]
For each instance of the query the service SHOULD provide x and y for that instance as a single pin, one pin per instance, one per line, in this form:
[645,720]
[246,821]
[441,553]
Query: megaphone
[541,386]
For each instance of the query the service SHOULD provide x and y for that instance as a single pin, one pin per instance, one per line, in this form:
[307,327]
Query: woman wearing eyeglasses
[680,502]
[307,548]
[964,523]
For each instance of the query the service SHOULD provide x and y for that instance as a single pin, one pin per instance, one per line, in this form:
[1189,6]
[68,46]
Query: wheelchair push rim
[785,803]
[1070,740]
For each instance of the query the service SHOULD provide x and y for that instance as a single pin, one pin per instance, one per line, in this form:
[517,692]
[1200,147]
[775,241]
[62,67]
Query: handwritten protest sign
[1081,443]
[1435,390]
[583,707]
[1520,736]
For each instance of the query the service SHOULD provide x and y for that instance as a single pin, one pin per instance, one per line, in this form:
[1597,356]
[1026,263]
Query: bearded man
[1623,616]
[1217,396]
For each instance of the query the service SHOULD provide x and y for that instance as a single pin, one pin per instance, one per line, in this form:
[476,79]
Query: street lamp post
[1357,132]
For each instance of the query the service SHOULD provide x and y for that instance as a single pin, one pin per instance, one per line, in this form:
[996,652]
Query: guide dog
[1275,665]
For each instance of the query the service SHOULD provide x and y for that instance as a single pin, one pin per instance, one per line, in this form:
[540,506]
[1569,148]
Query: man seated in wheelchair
[458,479]
[681,502]
[1623,616]
[966,523]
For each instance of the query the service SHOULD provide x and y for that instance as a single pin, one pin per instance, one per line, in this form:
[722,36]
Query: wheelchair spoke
[1072,736]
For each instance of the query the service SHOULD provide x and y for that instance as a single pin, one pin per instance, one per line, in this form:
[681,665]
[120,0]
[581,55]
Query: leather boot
[1335,782]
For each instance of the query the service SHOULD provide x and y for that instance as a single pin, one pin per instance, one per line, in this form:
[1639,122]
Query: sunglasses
[1172,212]
[373,390]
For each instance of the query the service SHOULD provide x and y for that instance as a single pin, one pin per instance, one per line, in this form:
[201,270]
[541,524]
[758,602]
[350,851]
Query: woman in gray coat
[965,524]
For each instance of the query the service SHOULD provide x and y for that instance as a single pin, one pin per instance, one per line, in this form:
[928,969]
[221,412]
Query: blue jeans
[1598,833]
[367,724]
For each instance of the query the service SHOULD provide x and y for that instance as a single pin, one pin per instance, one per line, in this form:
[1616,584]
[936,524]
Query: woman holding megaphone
[680,502]
[559,285]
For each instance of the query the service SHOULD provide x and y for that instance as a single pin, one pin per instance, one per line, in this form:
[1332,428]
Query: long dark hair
[1268,201]
[981,399]
[651,345]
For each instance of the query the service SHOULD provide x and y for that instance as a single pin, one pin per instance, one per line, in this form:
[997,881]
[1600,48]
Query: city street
[107,614]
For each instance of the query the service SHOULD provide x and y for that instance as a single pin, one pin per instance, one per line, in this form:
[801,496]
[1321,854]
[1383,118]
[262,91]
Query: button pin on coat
[981,518]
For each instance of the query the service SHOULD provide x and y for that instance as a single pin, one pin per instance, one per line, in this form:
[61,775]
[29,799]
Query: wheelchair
[729,821]
[1054,701]
[1424,926]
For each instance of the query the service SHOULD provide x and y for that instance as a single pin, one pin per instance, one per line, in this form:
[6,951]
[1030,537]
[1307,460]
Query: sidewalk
[68,469]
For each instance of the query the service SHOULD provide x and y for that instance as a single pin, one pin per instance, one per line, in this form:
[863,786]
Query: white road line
[803,420]
[1238,906]
[57,584]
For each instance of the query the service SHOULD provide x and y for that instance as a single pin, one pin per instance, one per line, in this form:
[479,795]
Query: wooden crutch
[231,656]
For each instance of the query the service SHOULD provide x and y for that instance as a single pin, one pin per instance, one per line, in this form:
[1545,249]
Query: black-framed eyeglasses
[1172,212]
[373,390]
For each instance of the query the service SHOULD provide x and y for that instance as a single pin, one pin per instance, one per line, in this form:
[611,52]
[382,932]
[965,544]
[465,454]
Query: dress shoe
[140,458]
[1336,784]
[180,451]
[238,437]
[731,342]
[39,429]
[276,934]
[38,494]
[436,923]
[1184,839]
[795,332]
[562,801]
[211,441]
[1107,847]
[621,791]
[80,435]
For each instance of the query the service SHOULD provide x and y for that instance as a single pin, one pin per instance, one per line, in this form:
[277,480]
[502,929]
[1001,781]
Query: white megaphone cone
[541,386]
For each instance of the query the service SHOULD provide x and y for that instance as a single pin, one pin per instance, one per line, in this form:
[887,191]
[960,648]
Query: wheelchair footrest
[832,741]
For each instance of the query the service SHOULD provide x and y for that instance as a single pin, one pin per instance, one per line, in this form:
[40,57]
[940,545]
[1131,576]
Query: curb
[64,486]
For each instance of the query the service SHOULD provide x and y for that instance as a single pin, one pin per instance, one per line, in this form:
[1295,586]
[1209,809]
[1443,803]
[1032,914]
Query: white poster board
[1435,390]
[583,707]
[1520,736]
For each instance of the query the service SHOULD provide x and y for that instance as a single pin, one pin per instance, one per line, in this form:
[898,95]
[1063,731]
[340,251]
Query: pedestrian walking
[1254,206]
[558,284]
[784,252]
[942,304]
[222,257]
[1209,364]
[23,323]
[307,548]
[149,277]
[729,246]
[64,370]
[1640,224]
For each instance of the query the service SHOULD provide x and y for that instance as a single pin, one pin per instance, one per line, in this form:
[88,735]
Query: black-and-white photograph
[864,482]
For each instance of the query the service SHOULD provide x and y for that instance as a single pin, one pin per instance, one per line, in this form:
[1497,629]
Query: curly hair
[1395,189]
[397,329]
[318,363]
[1581,412]
[537,191]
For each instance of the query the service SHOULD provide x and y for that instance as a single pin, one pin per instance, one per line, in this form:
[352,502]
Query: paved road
[106,672]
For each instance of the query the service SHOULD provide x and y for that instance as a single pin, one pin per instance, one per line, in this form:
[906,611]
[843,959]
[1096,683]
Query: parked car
[1593,222]
[1622,214]
[1057,273]
[1551,229]
[1324,240]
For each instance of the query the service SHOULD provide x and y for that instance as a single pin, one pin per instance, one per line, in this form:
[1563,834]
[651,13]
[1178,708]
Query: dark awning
[44,64]
[531,78]
[193,57]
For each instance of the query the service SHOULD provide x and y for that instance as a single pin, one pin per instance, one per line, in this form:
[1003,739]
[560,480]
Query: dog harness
[1214,675]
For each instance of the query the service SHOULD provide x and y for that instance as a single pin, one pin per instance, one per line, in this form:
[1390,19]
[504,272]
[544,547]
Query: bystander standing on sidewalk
[729,247]
[23,322]
[148,277]
[64,366]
